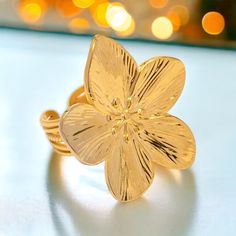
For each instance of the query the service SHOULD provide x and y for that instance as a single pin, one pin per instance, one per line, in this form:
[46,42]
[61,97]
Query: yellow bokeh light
[78,24]
[118,18]
[98,12]
[31,12]
[158,3]
[83,3]
[213,23]
[129,31]
[162,28]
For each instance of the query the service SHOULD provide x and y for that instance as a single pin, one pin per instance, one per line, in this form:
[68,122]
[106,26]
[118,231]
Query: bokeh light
[118,18]
[158,3]
[67,8]
[178,20]
[175,20]
[98,11]
[78,24]
[213,23]
[162,28]
[32,11]
[182,12]
[83,3]
[128,31]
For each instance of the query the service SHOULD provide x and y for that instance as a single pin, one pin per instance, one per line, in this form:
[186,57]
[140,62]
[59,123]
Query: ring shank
[50,122]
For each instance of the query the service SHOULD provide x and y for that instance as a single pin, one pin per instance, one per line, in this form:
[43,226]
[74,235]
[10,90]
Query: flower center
[123,117]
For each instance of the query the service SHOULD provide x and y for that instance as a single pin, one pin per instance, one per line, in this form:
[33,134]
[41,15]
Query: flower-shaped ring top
[125,122]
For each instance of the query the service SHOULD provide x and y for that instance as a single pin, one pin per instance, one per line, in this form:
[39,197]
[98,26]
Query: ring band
[50,123]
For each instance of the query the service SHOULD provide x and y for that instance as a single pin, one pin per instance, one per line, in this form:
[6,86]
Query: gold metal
[121,118]
[50,122]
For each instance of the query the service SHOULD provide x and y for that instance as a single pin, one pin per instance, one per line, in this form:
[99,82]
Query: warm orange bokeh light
[158,3]
[67,8]
[83,3]
[175,19]
[98,11]
[78,24]
[182,12]
[32,11]
[213,23]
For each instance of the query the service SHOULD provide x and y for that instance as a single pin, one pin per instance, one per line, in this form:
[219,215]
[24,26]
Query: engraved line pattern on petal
[159,84]
[150,76]
[169,141]
[110,73]
[88,133]
[129,170]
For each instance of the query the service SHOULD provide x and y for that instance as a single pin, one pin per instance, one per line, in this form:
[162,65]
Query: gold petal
[129,170]
[159,85]
[169,140]
[87,132]
[109,74]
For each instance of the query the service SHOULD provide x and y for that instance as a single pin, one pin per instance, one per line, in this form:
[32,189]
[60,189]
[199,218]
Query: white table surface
[43,194]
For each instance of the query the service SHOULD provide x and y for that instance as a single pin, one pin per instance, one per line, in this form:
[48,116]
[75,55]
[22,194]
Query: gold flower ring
[120,117]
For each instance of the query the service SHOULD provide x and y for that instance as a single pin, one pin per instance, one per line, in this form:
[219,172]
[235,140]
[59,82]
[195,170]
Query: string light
[213,23]
[162,28]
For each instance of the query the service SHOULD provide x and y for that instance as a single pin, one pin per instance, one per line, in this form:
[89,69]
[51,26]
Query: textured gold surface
[88,133]
[50,122]
[123,119]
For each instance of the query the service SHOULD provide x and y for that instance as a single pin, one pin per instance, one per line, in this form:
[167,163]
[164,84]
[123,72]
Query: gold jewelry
[120,117]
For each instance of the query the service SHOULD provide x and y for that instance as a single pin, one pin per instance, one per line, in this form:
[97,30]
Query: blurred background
[195,22]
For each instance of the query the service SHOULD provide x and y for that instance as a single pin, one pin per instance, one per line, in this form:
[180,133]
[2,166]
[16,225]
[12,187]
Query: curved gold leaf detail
[169,141]
[109,74]
[159,85]
[87,132]
[129,170]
